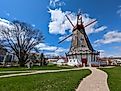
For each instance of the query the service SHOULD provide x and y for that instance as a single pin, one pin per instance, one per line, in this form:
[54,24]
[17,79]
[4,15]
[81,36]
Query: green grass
[114,78]
[60,81]
[1,74]
[13,69]
[49,67]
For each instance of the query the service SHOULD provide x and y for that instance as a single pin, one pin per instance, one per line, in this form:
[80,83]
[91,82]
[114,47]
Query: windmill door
[84,61]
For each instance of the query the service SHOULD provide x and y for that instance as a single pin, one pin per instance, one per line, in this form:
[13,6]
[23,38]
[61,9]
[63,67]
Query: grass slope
[61,81]
[114,78]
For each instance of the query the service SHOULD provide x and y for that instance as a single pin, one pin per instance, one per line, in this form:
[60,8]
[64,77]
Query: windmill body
[81,52]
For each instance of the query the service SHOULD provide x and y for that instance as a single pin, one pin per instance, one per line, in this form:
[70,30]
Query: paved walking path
[17,71]
[37,72]
[97,81]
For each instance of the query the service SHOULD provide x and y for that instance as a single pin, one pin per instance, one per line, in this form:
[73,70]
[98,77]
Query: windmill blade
[69,20]
[90,23]
[65,38]
[81,31]
[77,18]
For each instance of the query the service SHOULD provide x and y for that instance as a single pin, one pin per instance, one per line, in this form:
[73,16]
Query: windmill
[81,51]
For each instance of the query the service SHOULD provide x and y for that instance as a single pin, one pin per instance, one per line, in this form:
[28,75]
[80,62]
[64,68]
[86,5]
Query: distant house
[103,61]
[62,61]
[110,61]
[37,59]
[2,54]
[115,60]
[2,50]
[52,59]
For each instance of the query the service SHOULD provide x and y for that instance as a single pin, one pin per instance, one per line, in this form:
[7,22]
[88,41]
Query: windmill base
[82,60]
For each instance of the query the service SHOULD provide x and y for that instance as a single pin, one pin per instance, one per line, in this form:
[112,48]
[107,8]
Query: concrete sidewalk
[17,71]
[97,81]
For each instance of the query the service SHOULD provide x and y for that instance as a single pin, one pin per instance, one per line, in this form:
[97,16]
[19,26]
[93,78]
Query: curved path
[97,81]
[36,72]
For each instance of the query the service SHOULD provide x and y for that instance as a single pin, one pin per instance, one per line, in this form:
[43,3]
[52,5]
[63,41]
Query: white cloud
[46,47]
[54,3]
[49,54]
[110,37]
[108,53]
[61,50]
[5,23]
[59,23]
[117,47]
[119,11]
[62,37]
[52,49]
[100,28]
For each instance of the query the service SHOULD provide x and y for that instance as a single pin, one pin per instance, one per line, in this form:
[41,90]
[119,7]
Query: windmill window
[83,45]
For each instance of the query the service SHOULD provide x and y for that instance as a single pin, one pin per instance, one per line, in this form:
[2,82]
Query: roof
[88,41]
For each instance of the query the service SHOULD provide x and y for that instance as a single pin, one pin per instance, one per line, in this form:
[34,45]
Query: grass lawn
[114,78]
[60,81]
[12,73]
[48,67]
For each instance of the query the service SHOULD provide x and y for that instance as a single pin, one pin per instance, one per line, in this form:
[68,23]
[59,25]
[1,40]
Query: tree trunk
[22,59]
[22,63]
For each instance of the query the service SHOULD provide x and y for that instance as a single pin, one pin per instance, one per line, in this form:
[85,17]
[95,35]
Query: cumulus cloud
[5,23]
[100,28]
[51,49]
[59,23]
[108,53]
[110,37]
[62,37]
[54,3]
[50,54]
[119,11]
[45,47]
[117,47]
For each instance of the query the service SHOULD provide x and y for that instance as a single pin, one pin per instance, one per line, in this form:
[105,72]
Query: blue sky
[48,16]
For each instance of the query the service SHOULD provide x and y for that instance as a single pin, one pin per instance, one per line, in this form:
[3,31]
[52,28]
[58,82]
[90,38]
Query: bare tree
[21,39]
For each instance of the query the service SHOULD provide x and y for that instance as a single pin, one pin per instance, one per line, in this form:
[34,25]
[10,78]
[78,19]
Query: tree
[42,60]
[21,39]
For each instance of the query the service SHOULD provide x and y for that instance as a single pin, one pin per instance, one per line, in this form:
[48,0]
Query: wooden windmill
[81,51]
